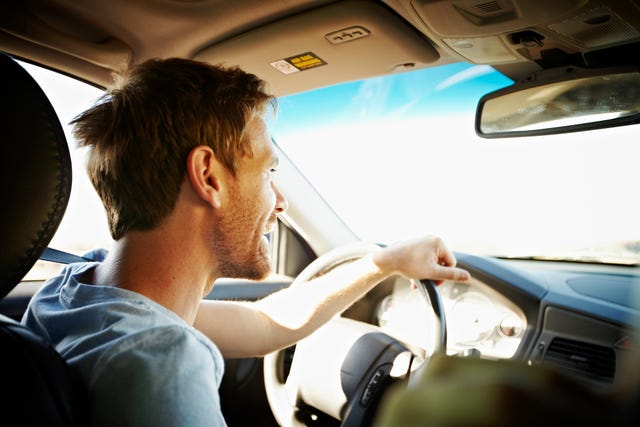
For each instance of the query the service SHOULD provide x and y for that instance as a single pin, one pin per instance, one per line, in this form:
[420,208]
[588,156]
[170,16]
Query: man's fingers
[441,273]
[447,259]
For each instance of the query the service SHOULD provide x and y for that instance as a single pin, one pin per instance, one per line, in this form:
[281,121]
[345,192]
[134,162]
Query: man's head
[142,131]
[246,205]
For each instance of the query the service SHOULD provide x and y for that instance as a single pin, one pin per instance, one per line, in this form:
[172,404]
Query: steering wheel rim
[282,393]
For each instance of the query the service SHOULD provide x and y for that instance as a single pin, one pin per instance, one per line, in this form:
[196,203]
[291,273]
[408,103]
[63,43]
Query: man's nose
[281,201]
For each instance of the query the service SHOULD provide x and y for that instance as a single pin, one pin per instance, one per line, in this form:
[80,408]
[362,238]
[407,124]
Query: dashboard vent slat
[592,361]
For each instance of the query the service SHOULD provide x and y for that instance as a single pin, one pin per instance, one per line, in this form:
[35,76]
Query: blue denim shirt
[143,365]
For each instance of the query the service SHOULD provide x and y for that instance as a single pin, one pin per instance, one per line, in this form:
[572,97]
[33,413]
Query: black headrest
[35,173]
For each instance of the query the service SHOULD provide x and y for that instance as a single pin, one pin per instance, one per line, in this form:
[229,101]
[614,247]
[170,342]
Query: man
[182,160]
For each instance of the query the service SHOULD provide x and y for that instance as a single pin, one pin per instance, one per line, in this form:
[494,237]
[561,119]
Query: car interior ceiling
[540,35]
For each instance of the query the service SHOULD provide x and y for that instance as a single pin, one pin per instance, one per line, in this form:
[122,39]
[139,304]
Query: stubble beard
[241,255]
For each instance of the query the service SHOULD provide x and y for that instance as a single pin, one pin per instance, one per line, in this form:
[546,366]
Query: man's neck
[156,265]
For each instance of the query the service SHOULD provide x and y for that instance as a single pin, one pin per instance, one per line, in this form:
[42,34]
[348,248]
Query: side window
[84,226]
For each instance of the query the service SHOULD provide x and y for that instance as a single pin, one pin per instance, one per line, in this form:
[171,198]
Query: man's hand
[422,258]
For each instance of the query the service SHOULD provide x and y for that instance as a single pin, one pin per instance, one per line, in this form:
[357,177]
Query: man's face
[251,209]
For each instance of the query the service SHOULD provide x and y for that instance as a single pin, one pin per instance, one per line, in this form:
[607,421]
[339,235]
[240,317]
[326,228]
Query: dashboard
[480,321]
[577,318]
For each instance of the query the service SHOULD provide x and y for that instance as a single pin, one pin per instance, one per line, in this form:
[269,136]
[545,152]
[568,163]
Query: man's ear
[206,174]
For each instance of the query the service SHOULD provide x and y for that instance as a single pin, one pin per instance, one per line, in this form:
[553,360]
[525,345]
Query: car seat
[38,387]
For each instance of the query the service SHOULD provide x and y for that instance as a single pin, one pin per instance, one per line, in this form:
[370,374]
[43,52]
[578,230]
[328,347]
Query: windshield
[397,156]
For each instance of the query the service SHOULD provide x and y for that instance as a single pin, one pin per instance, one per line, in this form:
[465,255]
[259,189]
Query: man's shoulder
[168,348]
[174,337]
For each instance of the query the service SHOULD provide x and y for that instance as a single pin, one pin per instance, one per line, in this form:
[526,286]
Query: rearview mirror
[561,100]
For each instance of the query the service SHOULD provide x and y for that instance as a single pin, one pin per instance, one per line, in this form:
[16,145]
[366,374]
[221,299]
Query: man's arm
[285,317]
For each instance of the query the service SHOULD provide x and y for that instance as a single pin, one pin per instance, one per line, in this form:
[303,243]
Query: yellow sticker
[294,64]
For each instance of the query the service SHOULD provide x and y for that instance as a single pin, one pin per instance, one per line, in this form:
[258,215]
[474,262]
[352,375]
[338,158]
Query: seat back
[39,388]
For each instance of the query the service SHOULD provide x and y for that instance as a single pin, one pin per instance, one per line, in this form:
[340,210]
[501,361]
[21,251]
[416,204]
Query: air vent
[594,362]
[489,7]
[486,12]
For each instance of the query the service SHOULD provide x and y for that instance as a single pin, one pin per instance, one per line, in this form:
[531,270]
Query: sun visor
[52,29]
[332,44]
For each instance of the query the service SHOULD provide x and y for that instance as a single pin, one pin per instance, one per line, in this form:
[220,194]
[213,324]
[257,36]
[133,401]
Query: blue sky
[434,91]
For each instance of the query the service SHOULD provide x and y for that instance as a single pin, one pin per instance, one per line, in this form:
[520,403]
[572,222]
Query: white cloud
[468,74]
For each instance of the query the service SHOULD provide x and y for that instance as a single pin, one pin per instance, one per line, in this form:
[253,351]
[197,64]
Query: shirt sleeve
[163,377]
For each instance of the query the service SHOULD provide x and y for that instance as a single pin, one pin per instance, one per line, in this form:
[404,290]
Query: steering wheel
[343,368]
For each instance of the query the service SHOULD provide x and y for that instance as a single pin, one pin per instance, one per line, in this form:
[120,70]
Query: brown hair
[141,132]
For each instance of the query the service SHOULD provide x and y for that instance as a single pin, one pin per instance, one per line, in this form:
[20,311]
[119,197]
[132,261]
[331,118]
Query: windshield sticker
[294,64]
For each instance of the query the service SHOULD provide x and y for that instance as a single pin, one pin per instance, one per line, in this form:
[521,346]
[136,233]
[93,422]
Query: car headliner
[92,38]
